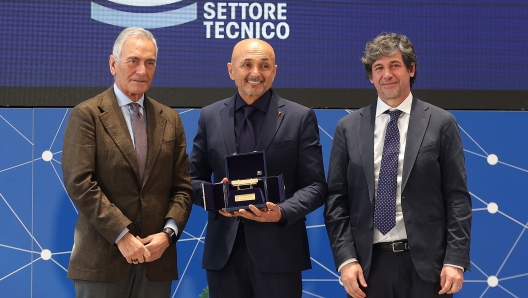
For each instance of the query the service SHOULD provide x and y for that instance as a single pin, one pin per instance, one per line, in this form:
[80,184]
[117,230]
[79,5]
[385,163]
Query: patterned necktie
[246,137]
[140,138]
[385,207]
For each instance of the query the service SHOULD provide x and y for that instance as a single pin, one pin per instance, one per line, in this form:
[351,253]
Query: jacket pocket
[436,242]
[281,144]
[427,148]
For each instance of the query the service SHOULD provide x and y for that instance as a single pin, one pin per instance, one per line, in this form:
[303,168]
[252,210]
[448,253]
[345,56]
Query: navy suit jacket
[290,139]
[435,200]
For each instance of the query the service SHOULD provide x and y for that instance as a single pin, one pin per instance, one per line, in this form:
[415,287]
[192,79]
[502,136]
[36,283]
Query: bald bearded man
[254,252]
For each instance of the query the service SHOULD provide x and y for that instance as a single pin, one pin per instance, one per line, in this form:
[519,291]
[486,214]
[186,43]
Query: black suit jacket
[435,201]
[290,138]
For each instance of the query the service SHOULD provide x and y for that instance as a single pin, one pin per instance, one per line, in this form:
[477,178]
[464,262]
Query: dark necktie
[140,138]
[246,138]
[385,207]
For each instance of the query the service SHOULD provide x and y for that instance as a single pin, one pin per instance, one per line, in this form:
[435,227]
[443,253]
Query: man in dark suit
[398,212]
[125,167]
[259,252]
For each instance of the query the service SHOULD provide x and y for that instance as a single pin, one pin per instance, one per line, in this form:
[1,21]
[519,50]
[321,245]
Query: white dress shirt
[380,127]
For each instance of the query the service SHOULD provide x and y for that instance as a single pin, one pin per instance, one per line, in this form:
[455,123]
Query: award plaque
[248,184]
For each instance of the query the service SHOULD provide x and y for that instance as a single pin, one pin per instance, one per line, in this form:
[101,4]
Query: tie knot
[394,115]
[248,110]
[135,107]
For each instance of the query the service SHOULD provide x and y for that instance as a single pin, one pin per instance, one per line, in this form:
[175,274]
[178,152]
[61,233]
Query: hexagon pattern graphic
[37,217]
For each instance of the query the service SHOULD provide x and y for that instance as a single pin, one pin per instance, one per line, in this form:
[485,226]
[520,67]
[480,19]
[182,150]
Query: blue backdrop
[37,217]
[470,44]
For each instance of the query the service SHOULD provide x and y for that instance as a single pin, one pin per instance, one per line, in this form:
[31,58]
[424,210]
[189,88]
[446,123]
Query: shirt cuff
[171,223]
[121,235]
[459,267]
[352,260]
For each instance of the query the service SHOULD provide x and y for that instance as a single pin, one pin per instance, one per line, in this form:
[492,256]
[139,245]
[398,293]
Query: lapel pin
[278,115]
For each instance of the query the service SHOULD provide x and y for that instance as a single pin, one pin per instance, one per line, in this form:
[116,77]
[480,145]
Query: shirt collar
[261,103]
[123,100]
[405,106]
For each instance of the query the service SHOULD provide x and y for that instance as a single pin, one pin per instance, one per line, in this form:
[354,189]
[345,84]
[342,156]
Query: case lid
[246,165]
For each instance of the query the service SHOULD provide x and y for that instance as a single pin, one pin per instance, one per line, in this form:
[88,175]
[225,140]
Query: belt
[396,246]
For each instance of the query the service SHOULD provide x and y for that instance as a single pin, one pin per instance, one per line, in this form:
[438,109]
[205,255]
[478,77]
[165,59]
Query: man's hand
[155,244]
[351,277]
[271,213]
[133,250]
[451,279]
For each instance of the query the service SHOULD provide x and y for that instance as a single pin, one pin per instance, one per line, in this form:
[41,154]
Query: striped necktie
[140,138]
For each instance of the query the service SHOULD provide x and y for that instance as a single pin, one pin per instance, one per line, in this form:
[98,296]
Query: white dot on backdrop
[47,155]
[493,281]
[492,159]
[493,208]
[45,254]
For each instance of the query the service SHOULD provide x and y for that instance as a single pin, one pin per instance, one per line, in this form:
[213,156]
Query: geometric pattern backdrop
[37,217]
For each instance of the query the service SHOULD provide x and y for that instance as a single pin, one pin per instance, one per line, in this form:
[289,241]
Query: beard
[392,94]
[254,90]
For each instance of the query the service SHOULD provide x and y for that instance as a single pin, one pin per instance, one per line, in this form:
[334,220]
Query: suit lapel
[156,124]
[114,123]
[227,116]
[274,118]
[365,135]
[418,123]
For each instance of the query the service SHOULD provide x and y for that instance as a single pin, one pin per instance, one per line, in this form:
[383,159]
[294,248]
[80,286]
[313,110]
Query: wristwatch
[170,233]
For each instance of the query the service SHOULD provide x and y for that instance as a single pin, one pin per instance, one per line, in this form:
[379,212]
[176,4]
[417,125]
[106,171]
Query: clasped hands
[270,213]
[138,250]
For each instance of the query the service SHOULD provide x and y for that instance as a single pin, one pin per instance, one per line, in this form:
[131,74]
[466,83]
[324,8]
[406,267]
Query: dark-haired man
[398,212]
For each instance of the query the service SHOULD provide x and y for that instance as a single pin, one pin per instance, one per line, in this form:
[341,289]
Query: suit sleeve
[199,166]
[181,190]
[456,196]
[310,177]
[79,171]
[337,212]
